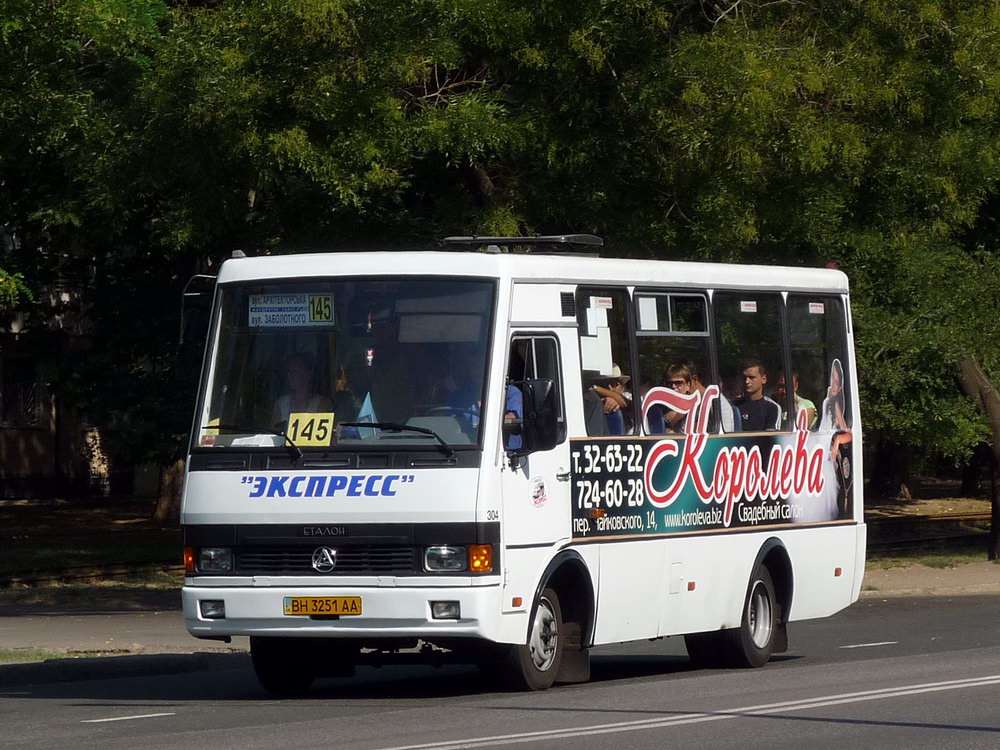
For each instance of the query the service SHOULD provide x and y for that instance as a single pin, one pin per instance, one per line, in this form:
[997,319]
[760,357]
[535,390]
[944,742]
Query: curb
[985,589]
[112,667]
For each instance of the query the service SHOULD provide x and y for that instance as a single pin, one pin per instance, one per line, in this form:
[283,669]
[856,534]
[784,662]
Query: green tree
[150,139]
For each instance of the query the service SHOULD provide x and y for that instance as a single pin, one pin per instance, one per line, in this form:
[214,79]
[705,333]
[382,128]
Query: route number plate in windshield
[310,429]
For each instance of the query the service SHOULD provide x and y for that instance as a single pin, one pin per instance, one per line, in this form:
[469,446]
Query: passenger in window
[801,403]
[757,412]
[301,398]
[617,401]
[725,416]
[679,378]
[344,403]
[593,405]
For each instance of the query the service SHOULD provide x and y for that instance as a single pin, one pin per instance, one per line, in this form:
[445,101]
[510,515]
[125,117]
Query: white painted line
[697,718]
[871,645]
[125,718]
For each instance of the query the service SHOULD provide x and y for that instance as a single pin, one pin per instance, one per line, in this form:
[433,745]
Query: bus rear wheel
[534,666]
[753,642]
[749,645]
[282,665]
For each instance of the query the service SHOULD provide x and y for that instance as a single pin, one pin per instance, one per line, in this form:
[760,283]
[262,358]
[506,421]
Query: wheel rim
[544,636]
[759,619]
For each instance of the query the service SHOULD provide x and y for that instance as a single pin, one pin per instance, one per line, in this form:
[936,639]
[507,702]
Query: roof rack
[570,244]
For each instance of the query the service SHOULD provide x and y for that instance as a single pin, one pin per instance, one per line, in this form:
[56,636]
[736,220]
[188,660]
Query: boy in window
[758,413]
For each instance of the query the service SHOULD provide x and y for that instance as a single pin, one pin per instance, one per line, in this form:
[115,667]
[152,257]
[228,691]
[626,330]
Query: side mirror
[539,420]
[196,301]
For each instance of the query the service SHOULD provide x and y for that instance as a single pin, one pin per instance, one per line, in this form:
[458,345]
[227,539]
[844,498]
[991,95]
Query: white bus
[507,458]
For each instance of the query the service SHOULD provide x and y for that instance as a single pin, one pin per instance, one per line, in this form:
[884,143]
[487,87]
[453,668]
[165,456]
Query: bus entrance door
[536,486]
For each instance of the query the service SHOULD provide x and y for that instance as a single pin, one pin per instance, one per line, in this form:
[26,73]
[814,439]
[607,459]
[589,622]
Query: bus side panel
[860,554]
[816,557]
[521,571]
[632,579]
[696,584]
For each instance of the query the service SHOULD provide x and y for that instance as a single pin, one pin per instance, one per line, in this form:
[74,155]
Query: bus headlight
[215,560]
[445,558]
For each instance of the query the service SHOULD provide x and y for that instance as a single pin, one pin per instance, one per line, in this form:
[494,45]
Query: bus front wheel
[534,666]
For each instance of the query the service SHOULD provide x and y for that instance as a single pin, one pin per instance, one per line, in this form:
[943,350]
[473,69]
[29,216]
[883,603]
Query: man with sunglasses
[679,378]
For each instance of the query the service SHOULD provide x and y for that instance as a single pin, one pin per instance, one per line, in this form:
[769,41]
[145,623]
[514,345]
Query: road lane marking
[697,718]
[870,645]
[125,718]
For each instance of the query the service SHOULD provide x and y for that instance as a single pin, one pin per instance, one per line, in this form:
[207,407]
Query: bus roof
[569,269]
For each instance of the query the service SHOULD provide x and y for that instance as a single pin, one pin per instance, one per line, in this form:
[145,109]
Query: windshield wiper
[397,427]
[293,449]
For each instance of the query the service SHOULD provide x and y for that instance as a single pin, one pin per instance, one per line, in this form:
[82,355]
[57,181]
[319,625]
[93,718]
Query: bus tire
[535,665]
[282,668]
[753,641]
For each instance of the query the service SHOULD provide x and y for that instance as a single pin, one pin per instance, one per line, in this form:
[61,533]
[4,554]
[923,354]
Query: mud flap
[780,639]
[575,666]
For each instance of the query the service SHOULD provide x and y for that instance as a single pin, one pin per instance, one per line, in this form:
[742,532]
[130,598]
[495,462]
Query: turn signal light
[481,558]
[189,559]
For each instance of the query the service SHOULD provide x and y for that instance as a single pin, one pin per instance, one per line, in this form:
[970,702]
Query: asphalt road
[907,672]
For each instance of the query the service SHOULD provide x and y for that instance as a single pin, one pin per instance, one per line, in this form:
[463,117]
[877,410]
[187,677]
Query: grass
[57,535]
[60,554]
[143,590]
[941,559]
[21,655]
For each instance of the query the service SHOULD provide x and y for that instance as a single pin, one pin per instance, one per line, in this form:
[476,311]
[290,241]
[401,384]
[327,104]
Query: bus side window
[749,346]
[817,332]
[674,352]
[602,324]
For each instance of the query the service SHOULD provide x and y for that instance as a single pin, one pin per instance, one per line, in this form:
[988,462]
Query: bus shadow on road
[229,677]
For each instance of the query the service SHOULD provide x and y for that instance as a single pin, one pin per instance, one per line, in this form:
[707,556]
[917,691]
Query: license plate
[322,605]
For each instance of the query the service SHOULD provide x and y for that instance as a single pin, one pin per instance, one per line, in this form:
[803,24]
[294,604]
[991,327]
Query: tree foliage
[156,135]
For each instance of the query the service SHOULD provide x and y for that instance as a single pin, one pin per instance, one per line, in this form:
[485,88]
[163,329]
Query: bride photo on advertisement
[837,469]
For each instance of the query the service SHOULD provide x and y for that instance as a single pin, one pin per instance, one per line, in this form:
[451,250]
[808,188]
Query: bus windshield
[312,363]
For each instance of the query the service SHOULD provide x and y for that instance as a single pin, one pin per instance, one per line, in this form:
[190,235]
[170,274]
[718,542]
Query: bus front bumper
[396,612]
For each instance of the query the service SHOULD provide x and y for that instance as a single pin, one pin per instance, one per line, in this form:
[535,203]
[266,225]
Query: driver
[300,397]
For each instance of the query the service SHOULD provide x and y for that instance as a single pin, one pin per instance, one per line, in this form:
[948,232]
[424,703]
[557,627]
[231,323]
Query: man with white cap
[617,402]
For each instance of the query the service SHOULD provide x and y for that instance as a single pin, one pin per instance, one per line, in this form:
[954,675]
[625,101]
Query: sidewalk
[104,633]
[920,580]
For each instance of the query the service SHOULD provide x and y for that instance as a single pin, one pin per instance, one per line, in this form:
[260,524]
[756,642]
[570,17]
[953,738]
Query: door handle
[563,476]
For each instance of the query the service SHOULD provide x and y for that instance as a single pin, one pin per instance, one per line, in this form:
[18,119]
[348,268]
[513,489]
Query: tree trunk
[974,384]
[168,504]
[972,474]
[478,182]
[890,470]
